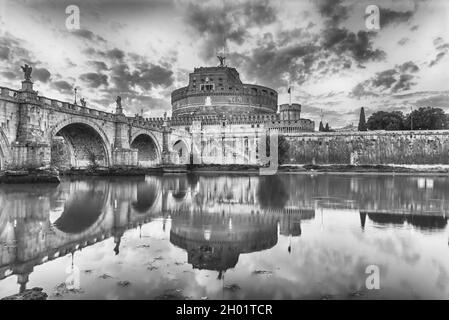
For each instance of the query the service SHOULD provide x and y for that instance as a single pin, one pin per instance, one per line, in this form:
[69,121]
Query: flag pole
[290,92]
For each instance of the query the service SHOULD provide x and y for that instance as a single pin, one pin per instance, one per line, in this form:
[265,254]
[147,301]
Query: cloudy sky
[144,49]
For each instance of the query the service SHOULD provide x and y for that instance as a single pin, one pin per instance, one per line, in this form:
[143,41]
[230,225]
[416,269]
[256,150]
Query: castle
[227,118]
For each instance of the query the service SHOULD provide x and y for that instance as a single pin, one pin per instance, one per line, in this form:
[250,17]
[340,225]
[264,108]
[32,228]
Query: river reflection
[222,237]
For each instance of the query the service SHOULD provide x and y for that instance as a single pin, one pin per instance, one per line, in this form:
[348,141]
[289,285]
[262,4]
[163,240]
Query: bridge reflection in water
[215,219]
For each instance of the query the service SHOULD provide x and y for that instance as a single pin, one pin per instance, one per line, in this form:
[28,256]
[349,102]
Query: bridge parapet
[7,92]
[57,104]
[146,123]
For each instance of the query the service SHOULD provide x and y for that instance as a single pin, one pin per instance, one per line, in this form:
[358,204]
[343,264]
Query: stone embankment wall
[368,148]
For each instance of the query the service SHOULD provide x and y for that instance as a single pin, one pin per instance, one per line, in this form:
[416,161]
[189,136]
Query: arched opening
[82,209]
[5,155]
[147,150]
[78,145]
[146,197]
[181,152]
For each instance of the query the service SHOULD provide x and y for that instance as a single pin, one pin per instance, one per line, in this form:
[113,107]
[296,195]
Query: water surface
[227,237]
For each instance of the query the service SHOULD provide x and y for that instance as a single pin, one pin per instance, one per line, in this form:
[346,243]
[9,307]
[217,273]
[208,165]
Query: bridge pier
[122,155]
[30,150]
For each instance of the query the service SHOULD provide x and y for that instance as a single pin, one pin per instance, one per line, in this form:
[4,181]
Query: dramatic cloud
[408,67]
[358,46]
[41,74]
[388,16]
[216,24]
[403,41]
[442,49]
[4,53]
[94,80]
[299,55]
[142,50]
[388,81]
[13,50]
[439,100]
[144,76]
[333,10]
[62,86]
[10,75]
[115,54]
[88,35]
[99,65]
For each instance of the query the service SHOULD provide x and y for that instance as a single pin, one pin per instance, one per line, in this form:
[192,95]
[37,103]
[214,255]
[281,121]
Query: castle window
[207,87]
[254,90]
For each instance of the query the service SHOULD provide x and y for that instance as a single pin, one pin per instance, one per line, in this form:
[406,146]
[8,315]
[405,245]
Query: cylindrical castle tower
[290,112]
[219,91]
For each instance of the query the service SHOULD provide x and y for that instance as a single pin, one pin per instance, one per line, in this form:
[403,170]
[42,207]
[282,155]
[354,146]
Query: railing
[7,92]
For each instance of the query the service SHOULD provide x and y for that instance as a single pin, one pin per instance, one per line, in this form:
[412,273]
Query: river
[212,236]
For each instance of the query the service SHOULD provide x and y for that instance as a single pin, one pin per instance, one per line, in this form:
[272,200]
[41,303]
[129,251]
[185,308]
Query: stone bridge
[32,127]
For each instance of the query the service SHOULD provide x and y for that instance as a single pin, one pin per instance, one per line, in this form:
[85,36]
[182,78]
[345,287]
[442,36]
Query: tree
[382,120]
[426,118]
[283,148]
[326,128]
[321,126]
[362,121]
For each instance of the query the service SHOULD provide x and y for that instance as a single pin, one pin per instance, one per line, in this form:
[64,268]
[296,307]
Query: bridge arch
[181,152]
[149,151]
[85,140]
[5,150]
[148,193]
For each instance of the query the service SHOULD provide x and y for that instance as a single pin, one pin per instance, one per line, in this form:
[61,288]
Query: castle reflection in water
[214,218]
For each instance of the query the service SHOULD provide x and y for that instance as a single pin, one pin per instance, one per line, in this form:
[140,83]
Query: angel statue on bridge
[27,71]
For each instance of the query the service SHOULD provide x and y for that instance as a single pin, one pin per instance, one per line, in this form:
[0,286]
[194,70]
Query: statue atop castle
[27,71]
[222,60]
